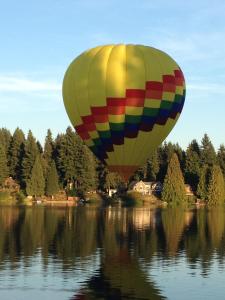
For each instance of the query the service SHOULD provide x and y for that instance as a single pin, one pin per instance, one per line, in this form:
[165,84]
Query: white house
[146,188]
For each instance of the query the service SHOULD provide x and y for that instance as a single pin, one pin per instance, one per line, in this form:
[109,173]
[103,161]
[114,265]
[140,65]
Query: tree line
[65,161]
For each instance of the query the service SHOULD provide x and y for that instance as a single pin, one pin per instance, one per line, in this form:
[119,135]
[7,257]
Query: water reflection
[112,253]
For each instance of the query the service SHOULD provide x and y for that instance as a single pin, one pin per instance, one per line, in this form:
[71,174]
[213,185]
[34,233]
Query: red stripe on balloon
[169,79]
[138,102]
[133,93]
[102,110]
[154,94]
[154,85]
[101,118]
[90,127]
[88,119]
[179,74]
[116,102]
[179,81]
[169,87]
[114,110]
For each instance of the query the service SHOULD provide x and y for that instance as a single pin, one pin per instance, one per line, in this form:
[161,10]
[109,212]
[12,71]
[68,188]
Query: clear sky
[40,38]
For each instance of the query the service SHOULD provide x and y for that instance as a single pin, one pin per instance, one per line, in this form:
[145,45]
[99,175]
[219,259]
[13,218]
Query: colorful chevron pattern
[140,111]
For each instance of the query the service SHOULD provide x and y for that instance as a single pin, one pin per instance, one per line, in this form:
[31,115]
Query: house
[11,184]
[188,190]
[146,188]
[111,192]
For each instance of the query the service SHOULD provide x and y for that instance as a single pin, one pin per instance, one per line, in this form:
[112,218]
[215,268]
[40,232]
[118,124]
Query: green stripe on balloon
[116,126]
[151,112]
[133,119]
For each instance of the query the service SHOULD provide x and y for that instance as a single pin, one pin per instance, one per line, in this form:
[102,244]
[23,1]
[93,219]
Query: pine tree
[221,158]
[86,176]
[202,189]
[192,164]
[66,155]
[5,138]
[30,154]
[216,189]
[208,153]
[3,165]
[36,183]
[173,187]
[52,182]
[48,147]
[16,152]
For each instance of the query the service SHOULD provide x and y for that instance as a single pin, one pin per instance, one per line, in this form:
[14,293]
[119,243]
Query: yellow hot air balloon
[123,100]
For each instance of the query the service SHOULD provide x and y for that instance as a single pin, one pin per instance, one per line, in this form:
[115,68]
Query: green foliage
[174,188]
[221,158]
[192,165]
[36,183]
[4,195]
[152,167]
[208,153]
[66,153]
[20,196]
[202,190]
[16,153]
[52,181]
[4,172]
[216,189]
[30,154]
[48,152]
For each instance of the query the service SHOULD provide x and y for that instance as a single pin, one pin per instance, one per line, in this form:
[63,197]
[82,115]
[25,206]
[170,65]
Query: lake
[111,253]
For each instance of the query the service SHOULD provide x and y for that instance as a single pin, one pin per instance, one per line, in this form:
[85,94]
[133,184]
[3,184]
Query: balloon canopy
[123,100]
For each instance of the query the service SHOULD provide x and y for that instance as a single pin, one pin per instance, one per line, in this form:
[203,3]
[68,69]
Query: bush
[20,196]
[132,199]
[4,196]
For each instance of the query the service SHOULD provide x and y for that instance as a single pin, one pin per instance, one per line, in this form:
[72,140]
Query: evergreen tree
[66,155]
[173,187]
[48,147]
[192,164]
[36,183]
[5,138]
[202,190]
[216,188]
[30,154]
[47,153]
[152,167]
[16,152]
[165,153]
[52,182]
[86,177]
[3,165]
[208,153]
[39,146]
[221,158]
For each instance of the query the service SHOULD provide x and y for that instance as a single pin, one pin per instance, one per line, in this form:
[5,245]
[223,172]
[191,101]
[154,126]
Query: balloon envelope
[123,100]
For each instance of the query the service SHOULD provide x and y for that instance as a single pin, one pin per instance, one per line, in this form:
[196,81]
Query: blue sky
[40,38]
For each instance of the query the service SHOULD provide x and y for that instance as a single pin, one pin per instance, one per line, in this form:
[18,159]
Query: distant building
[11,184]
[188,190]
[111,192]
[146,188]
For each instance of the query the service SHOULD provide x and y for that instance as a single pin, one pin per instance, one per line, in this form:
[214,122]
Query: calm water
[111,253]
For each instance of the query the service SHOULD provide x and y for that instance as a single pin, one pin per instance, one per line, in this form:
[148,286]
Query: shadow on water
[122,239]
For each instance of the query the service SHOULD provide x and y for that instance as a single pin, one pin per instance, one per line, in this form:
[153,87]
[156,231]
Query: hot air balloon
[123,100]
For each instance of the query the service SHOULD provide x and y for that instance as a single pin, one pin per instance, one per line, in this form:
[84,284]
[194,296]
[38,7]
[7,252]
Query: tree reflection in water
[124,237]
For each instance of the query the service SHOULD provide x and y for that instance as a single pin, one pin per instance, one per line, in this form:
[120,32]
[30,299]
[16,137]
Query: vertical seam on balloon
[162,97]
[146,138]
[113,46]
[88,76]
[125,59]
[137,47]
